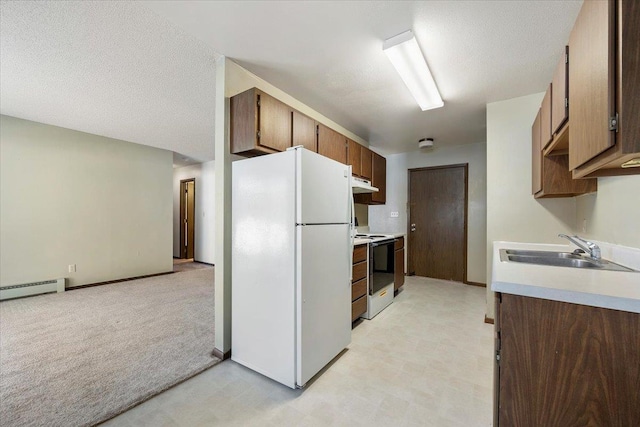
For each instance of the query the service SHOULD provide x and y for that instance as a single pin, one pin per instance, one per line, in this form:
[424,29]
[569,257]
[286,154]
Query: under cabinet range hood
[361,186]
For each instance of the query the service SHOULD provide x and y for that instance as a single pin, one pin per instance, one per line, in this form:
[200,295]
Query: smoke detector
[425,143]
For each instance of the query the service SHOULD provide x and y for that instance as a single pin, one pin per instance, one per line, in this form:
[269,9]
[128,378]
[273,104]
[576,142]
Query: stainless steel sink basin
[559,259]
[546,254]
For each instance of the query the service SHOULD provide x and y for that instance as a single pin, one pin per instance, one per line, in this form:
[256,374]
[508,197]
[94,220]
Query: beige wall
[380,219]
[204,240]
[613,213]
[512,212]
[69,197]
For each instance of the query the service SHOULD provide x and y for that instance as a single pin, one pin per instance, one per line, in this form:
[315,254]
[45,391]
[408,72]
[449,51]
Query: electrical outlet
[584,225]
[72,268]
[394,214]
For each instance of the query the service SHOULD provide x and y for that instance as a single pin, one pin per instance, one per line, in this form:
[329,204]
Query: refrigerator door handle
[352,228]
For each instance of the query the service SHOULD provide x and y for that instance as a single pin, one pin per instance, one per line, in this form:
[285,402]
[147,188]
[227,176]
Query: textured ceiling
[144,72]
[109,68]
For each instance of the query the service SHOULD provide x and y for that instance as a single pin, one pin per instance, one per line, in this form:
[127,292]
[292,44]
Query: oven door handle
[384,242]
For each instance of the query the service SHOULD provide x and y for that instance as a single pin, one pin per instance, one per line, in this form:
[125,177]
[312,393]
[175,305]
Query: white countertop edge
[607,289]
[603,301]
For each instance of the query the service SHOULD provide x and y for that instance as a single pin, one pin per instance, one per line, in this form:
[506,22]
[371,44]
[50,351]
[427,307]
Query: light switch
[394,214]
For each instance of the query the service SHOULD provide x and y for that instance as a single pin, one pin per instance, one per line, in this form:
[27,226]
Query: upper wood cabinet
[355,152]
[545,118]
[365,163]
[260,124]
[332,144]
[550,175]
[304,131]
[536,156]
[560,93]
[378,180]
[604,89]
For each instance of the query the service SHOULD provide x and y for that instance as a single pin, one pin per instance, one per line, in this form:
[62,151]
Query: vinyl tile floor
[426,360]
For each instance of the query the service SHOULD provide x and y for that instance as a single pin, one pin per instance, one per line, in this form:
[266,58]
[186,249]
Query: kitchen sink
[559,259]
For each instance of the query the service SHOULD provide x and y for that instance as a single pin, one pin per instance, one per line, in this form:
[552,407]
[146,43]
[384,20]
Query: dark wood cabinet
[260,124]
[398,278]
[550,174]
[604,88]
[366,163]
[545,118]
[536,156]
[560,93]
[332,144]
[563,364]
[360,269]
[354,151]
[304,131]
[378,180]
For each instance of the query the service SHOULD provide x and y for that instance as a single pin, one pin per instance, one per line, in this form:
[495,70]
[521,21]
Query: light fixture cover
[405,55]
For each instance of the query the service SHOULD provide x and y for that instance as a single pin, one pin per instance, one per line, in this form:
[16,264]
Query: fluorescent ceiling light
[405,55]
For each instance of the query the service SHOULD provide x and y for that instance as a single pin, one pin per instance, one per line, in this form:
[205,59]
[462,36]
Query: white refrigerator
[291,264]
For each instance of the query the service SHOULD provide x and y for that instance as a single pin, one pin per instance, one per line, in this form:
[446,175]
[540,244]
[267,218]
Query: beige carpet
[83,356]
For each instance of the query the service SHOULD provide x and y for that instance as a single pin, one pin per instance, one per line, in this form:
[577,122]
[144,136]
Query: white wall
[204,175]
[512,212]
[397,192]
[69,197]
[612,214]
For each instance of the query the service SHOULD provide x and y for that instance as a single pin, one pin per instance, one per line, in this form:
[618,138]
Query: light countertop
[599,288]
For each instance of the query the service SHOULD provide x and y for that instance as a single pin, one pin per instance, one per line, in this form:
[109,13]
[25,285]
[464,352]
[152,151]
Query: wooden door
[304,131]
[187,217]
[591,81]
[355,153]
[332,144]
[437,232]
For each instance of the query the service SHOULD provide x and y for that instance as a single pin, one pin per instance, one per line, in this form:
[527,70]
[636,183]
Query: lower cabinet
[563,364]
[398,279]
[359,283]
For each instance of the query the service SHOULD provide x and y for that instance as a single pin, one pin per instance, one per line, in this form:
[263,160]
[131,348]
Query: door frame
[410,270]
[183,183]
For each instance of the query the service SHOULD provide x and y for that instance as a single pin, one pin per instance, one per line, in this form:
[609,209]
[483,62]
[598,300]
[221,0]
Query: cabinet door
[545,119]
[560,94]
[536,156]
[379,179]
[564,364]
[274,123]
[591,81]
[355,152]
[332,144]
[398,278]
[304,131]
[365,163]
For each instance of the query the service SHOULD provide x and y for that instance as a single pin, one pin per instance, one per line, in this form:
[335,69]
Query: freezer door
[323,297]
[324,192]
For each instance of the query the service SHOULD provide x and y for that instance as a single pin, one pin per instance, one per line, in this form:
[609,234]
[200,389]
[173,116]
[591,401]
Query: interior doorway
[187,217]
[437,222]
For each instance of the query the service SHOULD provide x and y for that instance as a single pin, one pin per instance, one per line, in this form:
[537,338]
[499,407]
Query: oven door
[381,265]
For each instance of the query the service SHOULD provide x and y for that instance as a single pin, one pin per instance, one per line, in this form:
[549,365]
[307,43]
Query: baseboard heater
[35,288]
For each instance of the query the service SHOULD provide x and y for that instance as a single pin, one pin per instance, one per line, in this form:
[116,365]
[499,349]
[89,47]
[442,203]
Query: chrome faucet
[587,246]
